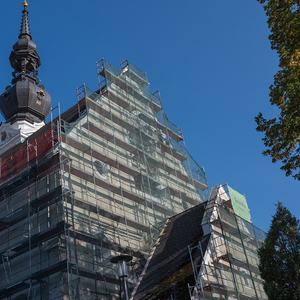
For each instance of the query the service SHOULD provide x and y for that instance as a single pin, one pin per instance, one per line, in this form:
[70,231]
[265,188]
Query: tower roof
[26,99]
[25,30]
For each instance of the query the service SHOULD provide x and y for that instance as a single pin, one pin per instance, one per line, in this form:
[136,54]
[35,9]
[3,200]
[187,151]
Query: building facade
[97,181]
[214,256]
[229,263]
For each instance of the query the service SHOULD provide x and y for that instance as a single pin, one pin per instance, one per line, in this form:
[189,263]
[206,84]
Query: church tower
[25,103]
[97,182]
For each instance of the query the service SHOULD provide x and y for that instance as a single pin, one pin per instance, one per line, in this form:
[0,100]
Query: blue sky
[211,61]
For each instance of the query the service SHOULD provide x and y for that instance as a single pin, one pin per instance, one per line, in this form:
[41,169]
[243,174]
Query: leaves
[282,134]
[280,257]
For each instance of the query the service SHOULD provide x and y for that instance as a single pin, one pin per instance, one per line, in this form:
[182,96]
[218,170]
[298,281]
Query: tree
[282,134]
[280,257]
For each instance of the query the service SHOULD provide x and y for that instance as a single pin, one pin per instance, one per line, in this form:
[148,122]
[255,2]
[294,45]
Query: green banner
[239,204]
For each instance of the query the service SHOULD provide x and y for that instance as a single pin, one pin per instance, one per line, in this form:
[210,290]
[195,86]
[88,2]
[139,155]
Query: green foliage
[282,134]
[280,257]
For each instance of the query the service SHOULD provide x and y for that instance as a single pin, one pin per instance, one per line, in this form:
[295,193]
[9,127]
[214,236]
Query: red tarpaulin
[27,153]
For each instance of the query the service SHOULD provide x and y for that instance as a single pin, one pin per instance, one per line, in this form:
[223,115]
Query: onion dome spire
[26,99]
[25,30]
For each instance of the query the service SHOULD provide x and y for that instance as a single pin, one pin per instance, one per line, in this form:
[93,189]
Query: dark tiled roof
[169,269]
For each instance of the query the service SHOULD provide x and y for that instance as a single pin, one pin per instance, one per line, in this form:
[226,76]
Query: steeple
[25,30]
[26,99]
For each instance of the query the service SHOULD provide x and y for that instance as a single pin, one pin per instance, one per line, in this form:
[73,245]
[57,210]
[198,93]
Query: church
[110,177]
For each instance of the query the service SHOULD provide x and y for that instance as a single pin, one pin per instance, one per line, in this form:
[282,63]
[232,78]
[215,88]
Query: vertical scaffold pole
[226,248]
[171,150]
[245,253]
[132,120]
[28,219]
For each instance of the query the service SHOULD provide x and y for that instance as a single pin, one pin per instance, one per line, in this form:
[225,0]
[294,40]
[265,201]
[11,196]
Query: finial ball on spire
[25,4]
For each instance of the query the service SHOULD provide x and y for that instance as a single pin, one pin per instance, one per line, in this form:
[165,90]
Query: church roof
[25,99]
[168,270]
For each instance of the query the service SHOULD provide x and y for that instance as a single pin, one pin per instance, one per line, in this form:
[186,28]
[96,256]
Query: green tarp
[239,204]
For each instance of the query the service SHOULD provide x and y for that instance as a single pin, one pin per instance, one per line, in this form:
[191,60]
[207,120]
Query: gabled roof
[168,269]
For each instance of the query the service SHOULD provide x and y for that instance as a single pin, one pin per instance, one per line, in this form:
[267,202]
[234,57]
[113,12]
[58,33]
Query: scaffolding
[228,267]
[97,181]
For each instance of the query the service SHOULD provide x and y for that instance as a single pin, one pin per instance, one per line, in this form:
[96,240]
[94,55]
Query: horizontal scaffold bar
[22,213]
[128,147]
[130,170]
[128,89]
[116,189]
[36,239]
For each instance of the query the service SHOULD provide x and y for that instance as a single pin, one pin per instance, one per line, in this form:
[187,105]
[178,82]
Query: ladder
[32,290]
[7,268]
